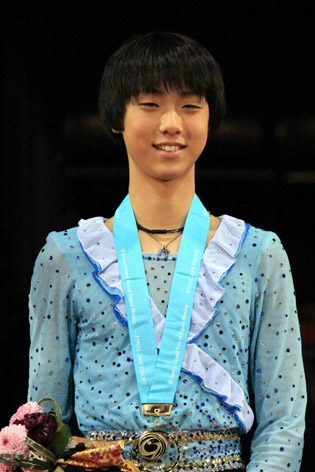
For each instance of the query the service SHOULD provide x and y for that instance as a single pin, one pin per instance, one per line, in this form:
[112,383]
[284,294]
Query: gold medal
[152,445]
[158,449]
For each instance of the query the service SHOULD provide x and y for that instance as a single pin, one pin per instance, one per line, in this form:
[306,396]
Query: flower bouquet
[34,439]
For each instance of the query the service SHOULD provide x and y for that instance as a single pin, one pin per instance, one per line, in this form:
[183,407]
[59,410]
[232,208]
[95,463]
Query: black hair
[156,62]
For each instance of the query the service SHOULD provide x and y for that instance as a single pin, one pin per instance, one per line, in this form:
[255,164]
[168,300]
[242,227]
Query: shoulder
[266,255]
[256,245]
[66,240]
[61,242]
[262,242]
[57,254]
[61,249]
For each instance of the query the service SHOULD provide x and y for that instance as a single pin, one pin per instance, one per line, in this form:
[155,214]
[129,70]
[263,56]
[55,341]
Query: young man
[162,312]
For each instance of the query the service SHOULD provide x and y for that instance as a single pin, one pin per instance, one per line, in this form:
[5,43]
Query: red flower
[40,427]
[27,408]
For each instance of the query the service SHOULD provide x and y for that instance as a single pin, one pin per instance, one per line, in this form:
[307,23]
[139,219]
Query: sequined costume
[244,322]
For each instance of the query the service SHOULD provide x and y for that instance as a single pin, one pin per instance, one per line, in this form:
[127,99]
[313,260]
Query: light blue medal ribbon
[157,372]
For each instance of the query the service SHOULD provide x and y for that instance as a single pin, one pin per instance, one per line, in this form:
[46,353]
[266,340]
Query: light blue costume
[244,325]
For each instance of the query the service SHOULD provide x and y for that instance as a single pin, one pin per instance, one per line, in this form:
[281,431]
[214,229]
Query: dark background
[57,167]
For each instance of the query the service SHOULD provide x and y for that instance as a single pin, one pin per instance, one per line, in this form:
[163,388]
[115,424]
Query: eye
[192,107]
[148,104]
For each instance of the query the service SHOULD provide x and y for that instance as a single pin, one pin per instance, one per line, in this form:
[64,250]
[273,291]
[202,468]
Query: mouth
[169,147]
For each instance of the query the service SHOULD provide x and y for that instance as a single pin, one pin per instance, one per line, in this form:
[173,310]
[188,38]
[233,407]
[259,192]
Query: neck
[161,204]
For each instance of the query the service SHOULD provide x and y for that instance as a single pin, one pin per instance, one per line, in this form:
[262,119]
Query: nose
[171,122]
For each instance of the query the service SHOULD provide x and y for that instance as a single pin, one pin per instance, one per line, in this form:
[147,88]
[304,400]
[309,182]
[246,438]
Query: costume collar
[220,255]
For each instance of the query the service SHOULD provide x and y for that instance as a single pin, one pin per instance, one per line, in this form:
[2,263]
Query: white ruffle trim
[216,380]
[220,255]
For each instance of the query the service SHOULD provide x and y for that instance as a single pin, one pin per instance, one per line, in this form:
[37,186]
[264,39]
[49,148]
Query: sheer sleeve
[276,364]
[52,326]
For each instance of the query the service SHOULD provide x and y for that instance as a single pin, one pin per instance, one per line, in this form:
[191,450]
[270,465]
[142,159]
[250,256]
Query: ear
[116,132]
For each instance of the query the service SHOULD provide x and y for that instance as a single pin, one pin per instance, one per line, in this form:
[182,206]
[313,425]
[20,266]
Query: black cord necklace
[164,247]
[159,231]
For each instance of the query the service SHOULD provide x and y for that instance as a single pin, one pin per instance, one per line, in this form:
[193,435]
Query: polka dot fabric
[159,273]
[80,349]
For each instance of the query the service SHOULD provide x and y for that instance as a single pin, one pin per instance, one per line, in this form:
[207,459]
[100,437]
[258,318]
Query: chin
[175,173]
[170,177]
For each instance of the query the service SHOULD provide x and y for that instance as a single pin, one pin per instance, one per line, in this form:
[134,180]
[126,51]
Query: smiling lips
[169,147]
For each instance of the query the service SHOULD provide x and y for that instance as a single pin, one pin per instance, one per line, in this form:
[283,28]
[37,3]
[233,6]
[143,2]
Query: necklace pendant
[164,250]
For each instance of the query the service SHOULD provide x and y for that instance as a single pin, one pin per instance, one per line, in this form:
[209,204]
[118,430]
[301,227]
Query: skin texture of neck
[161,204]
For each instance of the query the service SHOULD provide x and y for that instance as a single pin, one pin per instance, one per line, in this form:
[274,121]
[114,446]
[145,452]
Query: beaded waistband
[198,450]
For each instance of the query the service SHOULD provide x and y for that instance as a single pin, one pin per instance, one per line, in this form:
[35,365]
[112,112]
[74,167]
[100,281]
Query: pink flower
[6,468]
[26,409]
[13,441]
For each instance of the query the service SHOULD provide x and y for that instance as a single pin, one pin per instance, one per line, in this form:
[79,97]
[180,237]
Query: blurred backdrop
[57,166]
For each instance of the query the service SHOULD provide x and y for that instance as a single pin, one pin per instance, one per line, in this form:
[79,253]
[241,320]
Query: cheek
[136,142]
[138,132]
[199,128]
[200,134]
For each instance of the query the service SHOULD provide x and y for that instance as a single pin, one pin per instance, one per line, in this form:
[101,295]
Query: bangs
[165,65]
